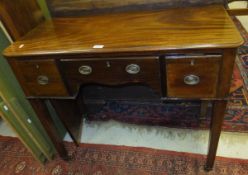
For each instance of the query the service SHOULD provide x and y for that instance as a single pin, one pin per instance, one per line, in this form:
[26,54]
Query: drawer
[192,77]
[112,71]
[40,78]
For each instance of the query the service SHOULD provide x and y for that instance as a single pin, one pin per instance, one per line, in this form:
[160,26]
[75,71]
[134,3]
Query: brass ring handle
[42,80]
[133,68]
[191,79]
[85,70]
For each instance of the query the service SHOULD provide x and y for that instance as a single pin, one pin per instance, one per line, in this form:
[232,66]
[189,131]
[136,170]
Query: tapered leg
[43,114]
[219,108]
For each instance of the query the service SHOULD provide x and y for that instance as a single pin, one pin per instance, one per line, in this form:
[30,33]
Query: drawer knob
[85,70]
[42,80]
[191,80]
[133,68]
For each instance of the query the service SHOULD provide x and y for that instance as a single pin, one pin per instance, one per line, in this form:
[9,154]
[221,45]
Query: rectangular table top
[205,27]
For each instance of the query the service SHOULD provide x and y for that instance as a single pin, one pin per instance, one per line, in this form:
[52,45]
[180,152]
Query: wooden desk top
[147,31]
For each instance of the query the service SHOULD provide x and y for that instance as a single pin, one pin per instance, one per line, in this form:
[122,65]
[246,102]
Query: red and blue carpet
[89,159]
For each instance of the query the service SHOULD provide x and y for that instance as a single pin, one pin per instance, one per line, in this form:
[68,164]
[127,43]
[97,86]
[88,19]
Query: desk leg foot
[44,116]
[219,108]
[207,169]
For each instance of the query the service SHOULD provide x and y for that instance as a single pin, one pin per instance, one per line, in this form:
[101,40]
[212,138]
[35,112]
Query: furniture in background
[63,8]
[14,107]
[19,18]
[239,11]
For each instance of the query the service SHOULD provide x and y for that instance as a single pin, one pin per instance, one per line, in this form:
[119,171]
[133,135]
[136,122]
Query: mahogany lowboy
[189,56]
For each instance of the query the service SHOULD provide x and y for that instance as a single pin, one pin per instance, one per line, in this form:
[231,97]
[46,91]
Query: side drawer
[192,77]
[112,71]
[39,77]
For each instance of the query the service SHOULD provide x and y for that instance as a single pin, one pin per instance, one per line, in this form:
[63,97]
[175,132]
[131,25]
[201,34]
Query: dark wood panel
[20,16]
[79,7]
[138,32]
[238,12]
[71,113]
[206,69]
[29,72]
[112,72]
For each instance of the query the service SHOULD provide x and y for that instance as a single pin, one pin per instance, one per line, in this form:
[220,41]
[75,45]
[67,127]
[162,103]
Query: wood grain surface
[207,69]
[140,32]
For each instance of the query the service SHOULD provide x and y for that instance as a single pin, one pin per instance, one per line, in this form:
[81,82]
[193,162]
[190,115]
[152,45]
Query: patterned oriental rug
[90,159]
[186,114]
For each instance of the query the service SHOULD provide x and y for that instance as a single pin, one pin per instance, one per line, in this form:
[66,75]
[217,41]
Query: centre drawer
[112,71]
[192,76]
